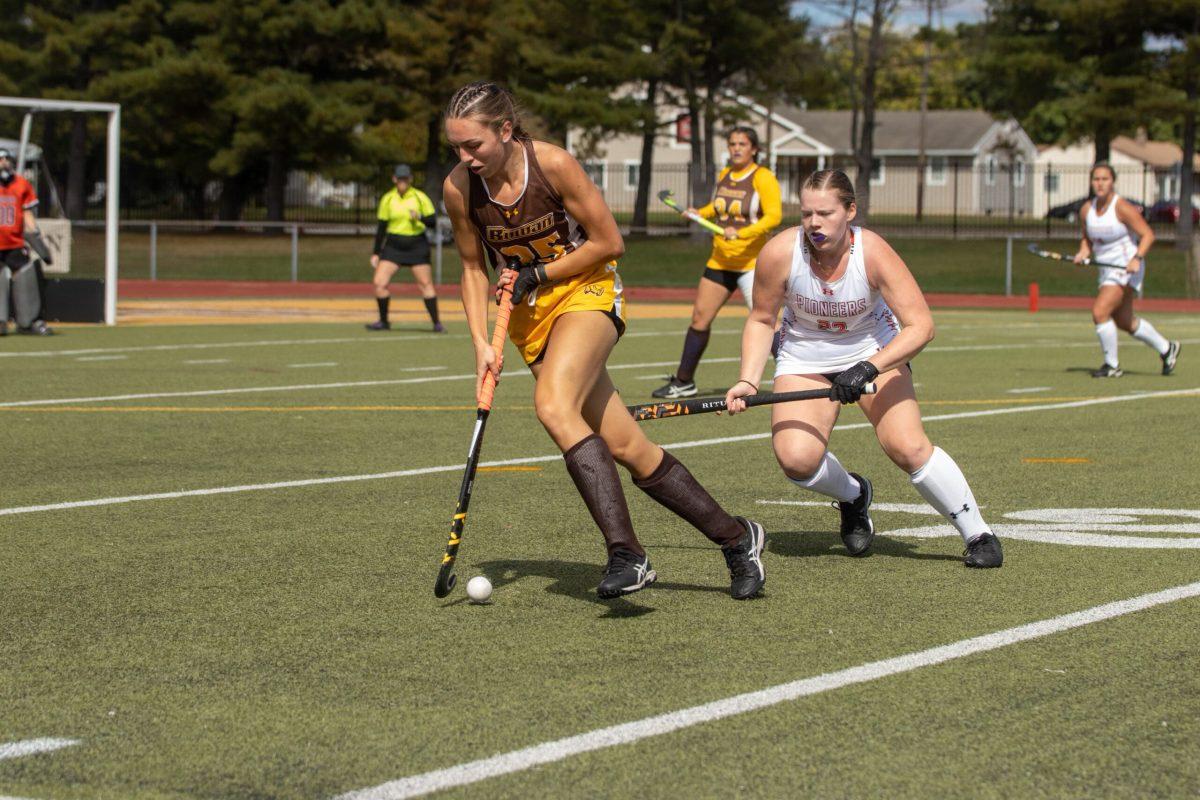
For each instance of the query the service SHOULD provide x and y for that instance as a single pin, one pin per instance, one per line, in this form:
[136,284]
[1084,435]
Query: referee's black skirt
[405,250]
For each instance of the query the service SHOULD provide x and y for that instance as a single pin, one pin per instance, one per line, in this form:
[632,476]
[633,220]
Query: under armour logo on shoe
[963,510]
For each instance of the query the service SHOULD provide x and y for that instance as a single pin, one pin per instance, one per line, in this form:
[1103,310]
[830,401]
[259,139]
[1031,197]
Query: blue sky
[912,12]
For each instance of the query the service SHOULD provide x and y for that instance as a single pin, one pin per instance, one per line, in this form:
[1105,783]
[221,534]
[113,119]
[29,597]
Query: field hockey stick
[1087,262]
[446,577]
[705,405]
[668,197]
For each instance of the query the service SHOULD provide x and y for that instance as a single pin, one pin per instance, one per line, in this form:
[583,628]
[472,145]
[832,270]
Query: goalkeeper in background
[405,213]
[20,289]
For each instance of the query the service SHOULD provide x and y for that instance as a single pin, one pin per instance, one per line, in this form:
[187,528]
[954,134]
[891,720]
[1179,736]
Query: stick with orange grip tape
[446,578]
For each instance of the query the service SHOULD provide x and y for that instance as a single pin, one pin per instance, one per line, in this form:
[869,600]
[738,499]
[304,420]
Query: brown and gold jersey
[535,225]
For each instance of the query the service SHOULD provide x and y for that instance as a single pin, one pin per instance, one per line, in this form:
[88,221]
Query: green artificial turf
[285,642]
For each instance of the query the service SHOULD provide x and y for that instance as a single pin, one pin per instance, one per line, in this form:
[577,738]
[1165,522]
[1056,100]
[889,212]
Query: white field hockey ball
[479,589]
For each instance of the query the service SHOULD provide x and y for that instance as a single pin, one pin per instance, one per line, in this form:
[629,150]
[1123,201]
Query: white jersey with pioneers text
[1113,243]
[828,327]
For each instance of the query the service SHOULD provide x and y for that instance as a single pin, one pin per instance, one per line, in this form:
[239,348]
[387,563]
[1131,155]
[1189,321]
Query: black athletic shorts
[724,277]
[405,250]
[15,258]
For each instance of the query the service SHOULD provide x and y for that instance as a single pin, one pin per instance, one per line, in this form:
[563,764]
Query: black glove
[38,244]
[528,279]
[848,384]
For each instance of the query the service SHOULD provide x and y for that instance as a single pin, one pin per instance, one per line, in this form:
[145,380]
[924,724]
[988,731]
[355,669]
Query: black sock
[431,307]
[383,307]
[693,347]
[595,474]
[672,486]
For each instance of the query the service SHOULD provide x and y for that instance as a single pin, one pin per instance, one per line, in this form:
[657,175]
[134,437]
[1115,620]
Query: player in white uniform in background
[1107,220]
[852,314]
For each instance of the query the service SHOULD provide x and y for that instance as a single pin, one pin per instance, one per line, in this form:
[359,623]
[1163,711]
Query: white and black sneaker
[983,552]
[1170,357]
[744,558]
[857,529]
[626,572]
[1108,371]
[675,389]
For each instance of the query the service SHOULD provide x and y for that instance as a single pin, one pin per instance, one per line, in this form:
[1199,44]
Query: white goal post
[113,180]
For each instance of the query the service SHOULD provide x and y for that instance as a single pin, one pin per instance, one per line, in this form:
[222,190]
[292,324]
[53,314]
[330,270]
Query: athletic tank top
[1112,242]
[534,225]
[828,327]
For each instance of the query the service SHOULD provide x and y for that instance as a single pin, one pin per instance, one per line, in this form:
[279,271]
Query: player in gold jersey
[512,197]
[747,205]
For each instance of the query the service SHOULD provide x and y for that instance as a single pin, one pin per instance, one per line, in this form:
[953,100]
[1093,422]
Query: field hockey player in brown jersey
[512,197]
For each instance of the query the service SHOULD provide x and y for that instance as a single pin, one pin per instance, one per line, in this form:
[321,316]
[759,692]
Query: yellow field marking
[232,409]
[1056,460]
[509,469]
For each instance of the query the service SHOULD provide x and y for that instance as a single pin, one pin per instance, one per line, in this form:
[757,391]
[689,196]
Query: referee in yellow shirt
[747,204]
[404,214]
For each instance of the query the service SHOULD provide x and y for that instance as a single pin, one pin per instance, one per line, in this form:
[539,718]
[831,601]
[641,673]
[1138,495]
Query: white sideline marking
[902,508]
[629,732]
[421,369]
[211,345]
[315,364]
[207,361]
[29,747]
[305,386]
[108,501]
[1030,389]
[101,358]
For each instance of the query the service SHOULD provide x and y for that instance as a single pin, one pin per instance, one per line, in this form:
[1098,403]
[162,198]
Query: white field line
[207,361]
[101,358]
[629,732]
[1030,390]
[217,345]
[108,501]
[29,747]
[314,364]
[308,386]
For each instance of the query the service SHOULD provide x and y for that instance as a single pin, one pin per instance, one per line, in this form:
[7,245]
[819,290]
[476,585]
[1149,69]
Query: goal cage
[57,232]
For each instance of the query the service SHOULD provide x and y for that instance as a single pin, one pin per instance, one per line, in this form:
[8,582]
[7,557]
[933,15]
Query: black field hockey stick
[1087,262]
[705,405]
[446,577]
[668,197]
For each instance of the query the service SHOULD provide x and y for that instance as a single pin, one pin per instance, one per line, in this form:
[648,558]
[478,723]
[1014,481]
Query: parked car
[1168,211]
[1070,211]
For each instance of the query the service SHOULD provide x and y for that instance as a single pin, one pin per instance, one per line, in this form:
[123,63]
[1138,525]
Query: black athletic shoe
[38,328]
[1108,371]
[984,552]
[1170,357]
[744,557]
[439,327]
[675,389]
[857,529]
[378,325]
[626,572]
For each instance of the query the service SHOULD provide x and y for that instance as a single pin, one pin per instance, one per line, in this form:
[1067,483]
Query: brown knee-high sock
[671,485]
[595,474]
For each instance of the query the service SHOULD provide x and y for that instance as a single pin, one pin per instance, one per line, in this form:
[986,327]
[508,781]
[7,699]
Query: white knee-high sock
[1145,332]
[831,480]
[943,486]
[1107,333]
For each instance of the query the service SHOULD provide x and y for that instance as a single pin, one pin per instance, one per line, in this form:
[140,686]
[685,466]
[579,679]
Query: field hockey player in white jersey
[1115,233]
[852,314]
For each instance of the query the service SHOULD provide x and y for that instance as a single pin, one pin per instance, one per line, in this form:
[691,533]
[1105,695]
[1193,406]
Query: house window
[632,172]
[598,172]
[989,170]
[683,129]
[935,171]
[1050,183]
[877,172]
[1019,172]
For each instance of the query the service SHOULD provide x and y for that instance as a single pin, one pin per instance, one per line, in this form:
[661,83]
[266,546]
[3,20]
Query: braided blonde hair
[489,103]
